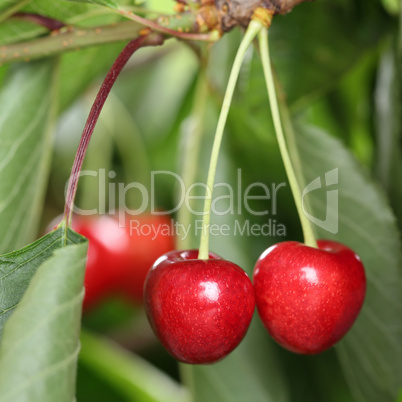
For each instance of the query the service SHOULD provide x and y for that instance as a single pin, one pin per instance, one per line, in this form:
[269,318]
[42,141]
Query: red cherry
[149,237]
[119,258]
[199,309]
[108,260]
[308,298]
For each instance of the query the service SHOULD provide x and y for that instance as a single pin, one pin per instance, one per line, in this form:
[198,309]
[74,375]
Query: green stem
[252,30]
[192,148]
[308,233]
[68,39]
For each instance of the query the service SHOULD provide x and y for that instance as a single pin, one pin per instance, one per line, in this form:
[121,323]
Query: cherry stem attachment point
[253,28]
[110,79]
[308,233]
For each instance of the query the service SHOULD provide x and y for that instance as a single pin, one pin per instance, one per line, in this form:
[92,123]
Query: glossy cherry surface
[200,310]
[308,298]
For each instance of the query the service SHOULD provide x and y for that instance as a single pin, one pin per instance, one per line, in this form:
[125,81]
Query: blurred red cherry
[149,236]
[120,253]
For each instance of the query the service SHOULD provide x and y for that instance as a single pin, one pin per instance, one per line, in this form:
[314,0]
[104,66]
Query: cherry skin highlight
[200,310]
[308,298]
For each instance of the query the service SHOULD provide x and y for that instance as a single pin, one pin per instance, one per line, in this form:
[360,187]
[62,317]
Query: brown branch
[238,12]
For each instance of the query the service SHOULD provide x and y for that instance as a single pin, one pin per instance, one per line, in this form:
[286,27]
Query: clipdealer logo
[330,223]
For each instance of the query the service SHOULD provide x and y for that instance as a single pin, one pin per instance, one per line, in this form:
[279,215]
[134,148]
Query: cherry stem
[93,116]
[308,233]
[253,28]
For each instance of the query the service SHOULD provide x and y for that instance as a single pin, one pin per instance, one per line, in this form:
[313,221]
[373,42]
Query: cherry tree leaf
[392,6]
[9,7]
[18,268]
[319,66]
[251,372]
[40,345]
[371,353]
[82,14]
[107,3]
[388,97]
[27,109]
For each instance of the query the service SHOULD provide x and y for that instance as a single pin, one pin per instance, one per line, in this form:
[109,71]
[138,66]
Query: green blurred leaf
[388,97]
[77,14]
[134,377]
[371,353]
[314,45]
[40,346]
[8,4]
[106,3]
[18,268]
[27,109]
[251,373]
[79,69]
[16,30]
[392,6]
[9,7]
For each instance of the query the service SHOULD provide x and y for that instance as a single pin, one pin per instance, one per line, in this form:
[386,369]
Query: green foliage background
[338,65]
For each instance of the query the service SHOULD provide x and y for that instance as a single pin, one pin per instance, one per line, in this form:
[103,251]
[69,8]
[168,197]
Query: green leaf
[309,58]
[392,6]
[388,162]
[252,372]
[40,346]
[79,15]
[9,7]
[27,108]
[79,69]
[371,353]
[17,30]
[18,268]
[106,3]
[134,377]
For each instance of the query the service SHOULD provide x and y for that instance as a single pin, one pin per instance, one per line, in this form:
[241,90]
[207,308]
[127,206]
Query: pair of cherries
[307,298]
